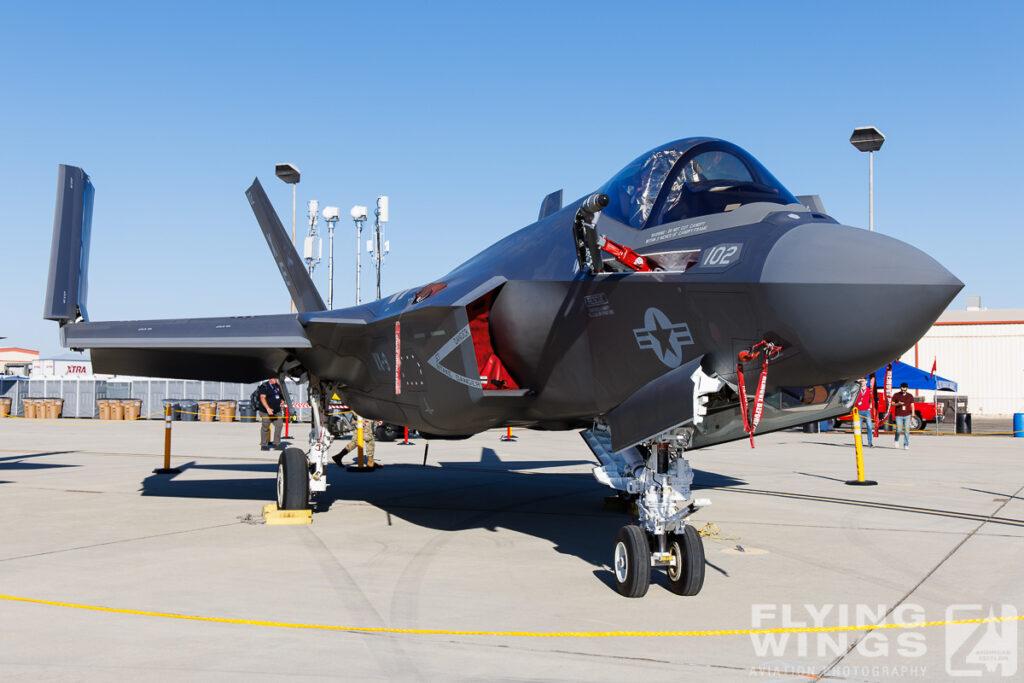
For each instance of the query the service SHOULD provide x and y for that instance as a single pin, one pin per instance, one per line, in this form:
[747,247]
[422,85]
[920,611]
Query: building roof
[1001,316]
[15,349]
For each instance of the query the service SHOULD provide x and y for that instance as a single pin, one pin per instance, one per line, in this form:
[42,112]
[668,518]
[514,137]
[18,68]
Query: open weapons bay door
[495,378]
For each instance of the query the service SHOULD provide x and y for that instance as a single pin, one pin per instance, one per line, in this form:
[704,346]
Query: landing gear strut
[299,474]
[659,477]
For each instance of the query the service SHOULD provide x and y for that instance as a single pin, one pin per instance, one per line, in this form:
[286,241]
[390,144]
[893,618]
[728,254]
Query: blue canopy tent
[914,377]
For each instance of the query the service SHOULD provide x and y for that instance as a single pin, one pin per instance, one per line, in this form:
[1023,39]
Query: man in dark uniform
[270,413]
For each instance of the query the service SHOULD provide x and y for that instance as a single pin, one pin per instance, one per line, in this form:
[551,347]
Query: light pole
[379,248]
[331,216]
[289,173]
[358,214]
[314,247]
[869,139]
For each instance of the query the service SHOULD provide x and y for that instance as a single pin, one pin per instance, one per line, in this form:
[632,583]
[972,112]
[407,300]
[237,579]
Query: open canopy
[914,377]
[688,178]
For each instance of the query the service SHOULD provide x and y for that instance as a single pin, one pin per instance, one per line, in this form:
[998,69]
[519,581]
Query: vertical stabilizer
[296,279]
[67,285]
[551,204]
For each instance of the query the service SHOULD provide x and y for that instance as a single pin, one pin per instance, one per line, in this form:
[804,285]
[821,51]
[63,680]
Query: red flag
[932,375]
[874,404]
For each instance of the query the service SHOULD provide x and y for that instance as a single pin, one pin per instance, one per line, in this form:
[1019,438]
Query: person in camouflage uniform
[353,444]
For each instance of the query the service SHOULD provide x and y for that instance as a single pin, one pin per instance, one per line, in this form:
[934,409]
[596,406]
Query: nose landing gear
[656,476]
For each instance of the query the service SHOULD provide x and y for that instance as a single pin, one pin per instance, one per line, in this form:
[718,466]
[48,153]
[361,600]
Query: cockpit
[689,178]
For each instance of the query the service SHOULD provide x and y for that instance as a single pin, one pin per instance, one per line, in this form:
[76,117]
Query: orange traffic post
[508,435]
[287,419]
[167,469]
[405,441]
[859,447]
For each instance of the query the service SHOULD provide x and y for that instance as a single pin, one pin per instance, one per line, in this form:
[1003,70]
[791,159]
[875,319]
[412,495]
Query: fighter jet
[691,300]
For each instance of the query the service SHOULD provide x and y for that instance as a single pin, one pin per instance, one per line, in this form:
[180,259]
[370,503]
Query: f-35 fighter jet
[690,301]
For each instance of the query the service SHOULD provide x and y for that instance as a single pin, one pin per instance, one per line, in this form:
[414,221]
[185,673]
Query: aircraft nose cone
[852,300]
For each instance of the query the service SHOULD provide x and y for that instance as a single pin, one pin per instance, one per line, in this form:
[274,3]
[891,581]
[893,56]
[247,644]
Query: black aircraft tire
[631,562]
[386,432]
[292,480]
[916,423]
[687,577]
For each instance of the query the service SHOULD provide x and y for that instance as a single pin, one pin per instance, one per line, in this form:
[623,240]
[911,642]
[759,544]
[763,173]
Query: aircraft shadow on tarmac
[182,486]
[18,462]
[565,508]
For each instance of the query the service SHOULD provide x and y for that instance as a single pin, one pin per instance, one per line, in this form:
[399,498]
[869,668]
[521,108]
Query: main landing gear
[657,479]
[301,474]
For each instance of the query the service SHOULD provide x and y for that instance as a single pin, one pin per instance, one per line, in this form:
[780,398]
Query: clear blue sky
[467,114]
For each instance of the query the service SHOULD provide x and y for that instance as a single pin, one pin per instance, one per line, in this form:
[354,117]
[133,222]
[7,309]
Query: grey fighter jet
[690,301]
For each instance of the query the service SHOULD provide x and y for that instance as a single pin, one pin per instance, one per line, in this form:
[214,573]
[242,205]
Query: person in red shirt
[903,408]
[864,399]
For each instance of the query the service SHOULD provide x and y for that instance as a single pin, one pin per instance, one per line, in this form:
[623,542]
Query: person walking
[903,408]
[270,413]
[864,399]
[369,445]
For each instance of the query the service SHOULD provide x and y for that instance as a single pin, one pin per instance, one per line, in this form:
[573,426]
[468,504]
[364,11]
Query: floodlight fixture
[289,173]
[869,139]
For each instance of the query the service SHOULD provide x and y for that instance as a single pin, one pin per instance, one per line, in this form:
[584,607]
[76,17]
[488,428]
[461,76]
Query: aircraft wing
[232,349]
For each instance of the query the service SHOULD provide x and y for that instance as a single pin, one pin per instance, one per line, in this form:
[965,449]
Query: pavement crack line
[866,633]
[118,541]
[394,663]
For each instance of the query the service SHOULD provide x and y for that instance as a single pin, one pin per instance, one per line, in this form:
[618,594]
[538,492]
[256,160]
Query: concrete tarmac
[498,537]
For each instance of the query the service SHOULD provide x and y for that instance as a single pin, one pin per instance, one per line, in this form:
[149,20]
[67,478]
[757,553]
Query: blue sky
[467,114]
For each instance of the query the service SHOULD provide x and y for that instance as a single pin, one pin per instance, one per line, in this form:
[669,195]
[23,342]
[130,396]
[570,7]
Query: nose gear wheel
[632,562]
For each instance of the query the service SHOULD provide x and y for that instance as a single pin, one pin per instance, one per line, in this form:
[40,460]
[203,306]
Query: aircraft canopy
[914,377]
[688,178]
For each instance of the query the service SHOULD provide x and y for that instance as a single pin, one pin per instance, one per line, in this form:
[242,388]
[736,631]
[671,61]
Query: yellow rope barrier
[513,634]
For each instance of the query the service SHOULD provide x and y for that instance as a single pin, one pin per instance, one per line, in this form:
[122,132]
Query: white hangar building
[983,351]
